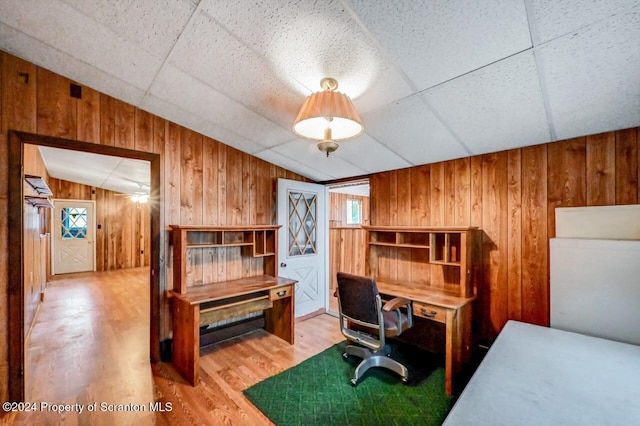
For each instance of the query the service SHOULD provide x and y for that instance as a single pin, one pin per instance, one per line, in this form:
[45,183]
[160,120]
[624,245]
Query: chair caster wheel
[354,382]
[345,355]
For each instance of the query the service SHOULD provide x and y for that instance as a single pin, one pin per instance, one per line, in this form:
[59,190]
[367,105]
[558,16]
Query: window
[354,212]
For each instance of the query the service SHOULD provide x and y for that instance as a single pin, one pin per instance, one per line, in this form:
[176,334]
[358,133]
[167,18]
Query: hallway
[90,343]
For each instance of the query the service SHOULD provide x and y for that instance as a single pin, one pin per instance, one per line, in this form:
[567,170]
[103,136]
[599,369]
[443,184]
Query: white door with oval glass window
[302,242]
[73,248]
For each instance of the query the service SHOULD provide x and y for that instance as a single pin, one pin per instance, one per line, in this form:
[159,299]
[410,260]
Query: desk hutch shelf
[404,255]
[255,241]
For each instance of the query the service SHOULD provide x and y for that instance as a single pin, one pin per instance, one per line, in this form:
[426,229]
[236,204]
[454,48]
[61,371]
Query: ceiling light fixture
[328,117]
[139,198]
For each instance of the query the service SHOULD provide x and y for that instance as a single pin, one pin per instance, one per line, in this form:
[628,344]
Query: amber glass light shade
[324,110]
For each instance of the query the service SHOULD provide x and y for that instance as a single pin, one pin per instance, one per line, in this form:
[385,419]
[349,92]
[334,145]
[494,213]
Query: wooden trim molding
[15,272]
[16,255]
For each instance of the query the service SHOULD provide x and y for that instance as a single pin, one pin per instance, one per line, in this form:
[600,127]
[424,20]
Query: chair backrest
[357,298]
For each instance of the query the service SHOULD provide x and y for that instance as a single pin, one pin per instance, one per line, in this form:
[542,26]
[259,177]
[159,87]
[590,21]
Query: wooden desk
[455,312]
[207,304]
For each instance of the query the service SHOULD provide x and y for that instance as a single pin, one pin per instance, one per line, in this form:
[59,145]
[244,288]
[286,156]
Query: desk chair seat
[367,323]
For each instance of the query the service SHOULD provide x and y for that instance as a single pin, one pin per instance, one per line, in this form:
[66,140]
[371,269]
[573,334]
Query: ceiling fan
[139,196]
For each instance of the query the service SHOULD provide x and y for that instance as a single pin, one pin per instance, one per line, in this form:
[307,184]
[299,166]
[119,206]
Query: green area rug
[318,392]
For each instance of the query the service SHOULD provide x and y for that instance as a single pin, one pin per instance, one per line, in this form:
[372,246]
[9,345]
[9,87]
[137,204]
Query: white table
[541,376]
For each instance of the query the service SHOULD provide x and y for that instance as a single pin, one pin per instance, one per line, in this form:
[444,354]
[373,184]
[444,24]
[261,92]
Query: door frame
[53,239]
[17,140]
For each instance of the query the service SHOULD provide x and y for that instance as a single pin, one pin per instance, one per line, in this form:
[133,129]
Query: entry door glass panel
[303,213]
[73,223]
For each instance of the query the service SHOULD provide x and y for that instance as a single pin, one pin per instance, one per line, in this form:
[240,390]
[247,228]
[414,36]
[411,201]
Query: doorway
[348,211]
[17,140]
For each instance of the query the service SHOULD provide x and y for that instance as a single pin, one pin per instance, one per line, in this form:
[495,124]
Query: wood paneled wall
[511,196]
[122,237]
[203,180]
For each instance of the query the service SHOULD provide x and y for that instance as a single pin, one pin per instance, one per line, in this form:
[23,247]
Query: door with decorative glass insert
[302,242]
[73,248]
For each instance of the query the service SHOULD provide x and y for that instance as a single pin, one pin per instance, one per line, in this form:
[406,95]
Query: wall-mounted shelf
[38,184]
[42,189]
[36,201]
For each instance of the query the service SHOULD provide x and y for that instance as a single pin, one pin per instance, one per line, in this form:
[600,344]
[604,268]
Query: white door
[73,248]
[302,242]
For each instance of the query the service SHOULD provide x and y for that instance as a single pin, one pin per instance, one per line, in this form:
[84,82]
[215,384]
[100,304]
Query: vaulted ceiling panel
[292,164]
[432,80]
[593,77]
[409,128]
[310,40]
[214,56]
[369,154]
[553,18]
[38,52]
[190,94]
[63,28]
[154,25]
[306,153]
[494,108]
[435,41]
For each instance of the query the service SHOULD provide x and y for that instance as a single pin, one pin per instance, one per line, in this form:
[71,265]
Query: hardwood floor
[90,344]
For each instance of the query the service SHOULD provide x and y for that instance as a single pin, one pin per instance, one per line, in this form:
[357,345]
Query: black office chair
[365,321]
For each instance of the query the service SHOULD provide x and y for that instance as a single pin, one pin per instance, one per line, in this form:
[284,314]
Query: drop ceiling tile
[102,171]
[495,108]
[74,168]
[435,41]
[362,190]
[60,26]
[306,152]
[133,171]
[191,121]
[292,165]
[176,87]
[369,154]
[593,77]
[58,159]
[214,56]
[554,18]
[412,131]
[24,46]
[154,25]
[311,40]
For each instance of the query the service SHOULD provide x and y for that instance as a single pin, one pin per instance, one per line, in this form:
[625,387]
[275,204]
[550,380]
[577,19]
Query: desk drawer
[233,310]
[280,292]
[432,312]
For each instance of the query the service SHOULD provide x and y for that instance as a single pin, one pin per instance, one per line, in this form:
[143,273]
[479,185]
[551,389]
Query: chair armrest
[395,303]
